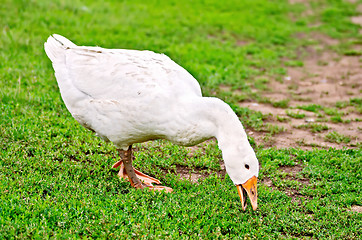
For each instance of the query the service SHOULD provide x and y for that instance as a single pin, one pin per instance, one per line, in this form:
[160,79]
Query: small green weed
[282,119]
[332,111]
[336,137]
[353,52]
[261,84]
[314,127]
[281,104]
[311,107]
[293,114]
[356,102]
[274,129]
[341,104]
[293,63]
[336,119]
[293,86]
[302,142]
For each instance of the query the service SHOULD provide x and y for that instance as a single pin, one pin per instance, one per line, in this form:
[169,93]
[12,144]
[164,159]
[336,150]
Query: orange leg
[135,177]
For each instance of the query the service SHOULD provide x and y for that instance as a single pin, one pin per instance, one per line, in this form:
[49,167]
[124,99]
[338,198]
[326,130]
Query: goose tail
[55,47]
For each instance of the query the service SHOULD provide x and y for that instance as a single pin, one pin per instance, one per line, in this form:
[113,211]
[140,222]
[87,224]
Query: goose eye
[246,166]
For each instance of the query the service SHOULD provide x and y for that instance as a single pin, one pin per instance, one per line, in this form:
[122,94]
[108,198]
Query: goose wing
[118,74]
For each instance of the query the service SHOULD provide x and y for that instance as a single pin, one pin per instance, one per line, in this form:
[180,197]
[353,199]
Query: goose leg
[136,178]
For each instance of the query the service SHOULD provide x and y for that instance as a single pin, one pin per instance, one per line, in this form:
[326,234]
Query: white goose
[130,96]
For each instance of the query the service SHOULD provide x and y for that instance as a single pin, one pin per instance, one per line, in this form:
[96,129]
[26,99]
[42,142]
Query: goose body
[130,96]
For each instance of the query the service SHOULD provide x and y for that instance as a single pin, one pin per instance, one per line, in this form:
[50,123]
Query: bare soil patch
[292,172]
[292,169]
[194,175]
[356,208]
[325,79]
[189,174]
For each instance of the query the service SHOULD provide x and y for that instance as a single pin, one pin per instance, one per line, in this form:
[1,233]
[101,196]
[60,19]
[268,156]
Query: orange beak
[249,188]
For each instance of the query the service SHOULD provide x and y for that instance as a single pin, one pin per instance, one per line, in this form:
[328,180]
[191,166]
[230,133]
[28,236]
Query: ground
[324,80]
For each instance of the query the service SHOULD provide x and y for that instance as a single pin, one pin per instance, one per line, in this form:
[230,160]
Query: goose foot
[135,177]
[147,180]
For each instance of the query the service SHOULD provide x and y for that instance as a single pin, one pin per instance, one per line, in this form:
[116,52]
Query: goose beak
[248,188]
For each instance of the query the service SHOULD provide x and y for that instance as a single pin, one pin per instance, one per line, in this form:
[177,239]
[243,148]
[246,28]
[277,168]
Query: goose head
[243,168]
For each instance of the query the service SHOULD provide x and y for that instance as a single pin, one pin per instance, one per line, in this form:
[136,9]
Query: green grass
[337,119]
[274,129]
[293,114]
[281,104]
[282,119]
[311,107]
[314,127]
[336,137]
[355,102]
[56,179]
[83,196]
[294,63]
[332,111]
